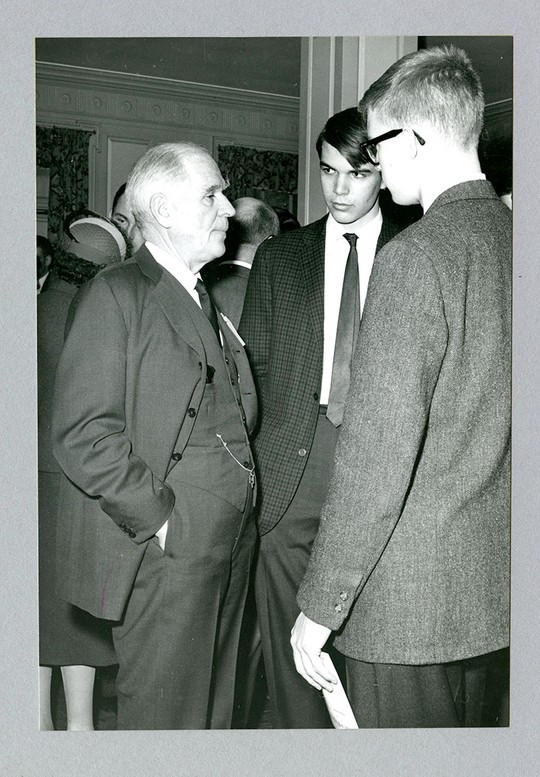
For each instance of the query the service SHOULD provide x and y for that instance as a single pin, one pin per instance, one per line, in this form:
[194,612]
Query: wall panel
[129,113]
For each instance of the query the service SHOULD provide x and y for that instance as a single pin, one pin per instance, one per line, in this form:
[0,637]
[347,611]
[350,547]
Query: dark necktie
[207,307]
[347,330]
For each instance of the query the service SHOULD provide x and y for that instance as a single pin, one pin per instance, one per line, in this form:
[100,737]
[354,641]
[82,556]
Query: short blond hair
[436,85]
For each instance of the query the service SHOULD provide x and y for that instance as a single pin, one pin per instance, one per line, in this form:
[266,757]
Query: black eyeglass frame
[370,146]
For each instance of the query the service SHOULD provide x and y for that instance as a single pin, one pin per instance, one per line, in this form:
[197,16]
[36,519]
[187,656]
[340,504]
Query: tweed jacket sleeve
[401,345]
[90,439]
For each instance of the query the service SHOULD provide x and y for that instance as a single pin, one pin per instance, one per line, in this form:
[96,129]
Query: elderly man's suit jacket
[129,385]
[283,326]
[411,563]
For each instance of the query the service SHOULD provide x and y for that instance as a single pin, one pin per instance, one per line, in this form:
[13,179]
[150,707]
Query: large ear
[410,143]
[161,210]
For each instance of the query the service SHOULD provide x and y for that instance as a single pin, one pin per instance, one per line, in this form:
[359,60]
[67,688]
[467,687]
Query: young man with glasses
[411,563]
[301,314]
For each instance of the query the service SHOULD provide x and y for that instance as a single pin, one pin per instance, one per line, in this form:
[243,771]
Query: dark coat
[120,414]
[282,324]
[411,563]
[227,284]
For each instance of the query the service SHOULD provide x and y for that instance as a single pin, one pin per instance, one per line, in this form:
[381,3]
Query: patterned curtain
[65,153]
[251,172]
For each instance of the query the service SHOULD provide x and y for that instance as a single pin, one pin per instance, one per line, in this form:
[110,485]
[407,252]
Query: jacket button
[343,596]
[247,464]
[338,608]
[315,396]
[302,452]
[176,456]
[192,412]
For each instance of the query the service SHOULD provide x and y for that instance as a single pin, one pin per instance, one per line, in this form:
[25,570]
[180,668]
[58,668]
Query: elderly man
[154,403]
[411,563]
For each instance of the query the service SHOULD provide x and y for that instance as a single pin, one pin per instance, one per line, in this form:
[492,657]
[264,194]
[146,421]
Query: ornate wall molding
[104,96]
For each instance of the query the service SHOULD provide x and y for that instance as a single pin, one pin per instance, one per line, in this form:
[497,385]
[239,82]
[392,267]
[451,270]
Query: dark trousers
[472,692]
[177,645]
[283,557]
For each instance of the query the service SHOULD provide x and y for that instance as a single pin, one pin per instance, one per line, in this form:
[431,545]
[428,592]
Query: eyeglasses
[370,146]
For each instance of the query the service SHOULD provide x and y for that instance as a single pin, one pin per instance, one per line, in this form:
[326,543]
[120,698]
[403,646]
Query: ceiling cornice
[167,88]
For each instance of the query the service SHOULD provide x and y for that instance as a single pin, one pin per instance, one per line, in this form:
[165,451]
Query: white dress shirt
[336,252]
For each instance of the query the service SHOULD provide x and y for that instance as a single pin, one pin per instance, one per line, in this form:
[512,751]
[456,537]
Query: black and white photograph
[275,325]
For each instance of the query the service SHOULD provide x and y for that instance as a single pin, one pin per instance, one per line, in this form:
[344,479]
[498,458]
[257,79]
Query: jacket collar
[177,305]
[468,190]
[312,262]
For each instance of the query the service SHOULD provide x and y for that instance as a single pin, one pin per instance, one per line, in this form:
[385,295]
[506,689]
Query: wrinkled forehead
[201,170]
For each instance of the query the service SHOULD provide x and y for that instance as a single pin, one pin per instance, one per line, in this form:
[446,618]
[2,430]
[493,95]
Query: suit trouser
[283,558]
[471,692]
[178,642]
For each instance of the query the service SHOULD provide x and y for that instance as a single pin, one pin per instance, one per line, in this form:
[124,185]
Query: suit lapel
[177,305]
[388,231]
[312,262]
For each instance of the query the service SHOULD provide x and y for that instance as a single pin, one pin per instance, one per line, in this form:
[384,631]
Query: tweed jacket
[128,389]
[411,563]
[283,324]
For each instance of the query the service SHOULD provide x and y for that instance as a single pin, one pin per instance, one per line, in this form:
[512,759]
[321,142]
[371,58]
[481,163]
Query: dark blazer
[120,414]
[52,311]
[411,563]
[282,324]
[227,284]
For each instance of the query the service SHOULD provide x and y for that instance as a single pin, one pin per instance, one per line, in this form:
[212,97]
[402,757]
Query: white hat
[97,239]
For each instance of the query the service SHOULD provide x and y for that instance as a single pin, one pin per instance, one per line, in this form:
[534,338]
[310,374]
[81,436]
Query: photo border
[415,752]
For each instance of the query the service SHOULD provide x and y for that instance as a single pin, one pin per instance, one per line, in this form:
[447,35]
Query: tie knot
[200,287]
[351,238]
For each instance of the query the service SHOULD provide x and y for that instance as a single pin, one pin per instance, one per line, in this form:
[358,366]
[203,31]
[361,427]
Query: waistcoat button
[176,456]
[192,412]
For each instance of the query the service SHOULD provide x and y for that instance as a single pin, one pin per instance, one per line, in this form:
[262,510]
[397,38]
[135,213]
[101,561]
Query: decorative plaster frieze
[158,101]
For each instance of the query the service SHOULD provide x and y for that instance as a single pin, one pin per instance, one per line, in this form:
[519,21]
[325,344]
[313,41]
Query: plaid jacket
[282,324]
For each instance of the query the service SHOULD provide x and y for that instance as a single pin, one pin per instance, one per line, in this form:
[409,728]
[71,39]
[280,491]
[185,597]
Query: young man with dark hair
[124,220]
[300,320]
[411,562]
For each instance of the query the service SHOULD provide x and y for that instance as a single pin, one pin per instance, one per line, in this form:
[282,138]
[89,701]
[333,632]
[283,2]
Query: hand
[308,639]
[161,535]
